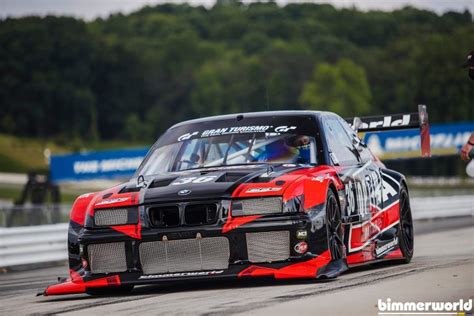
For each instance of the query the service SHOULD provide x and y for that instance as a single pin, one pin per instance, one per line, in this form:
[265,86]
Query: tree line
[131,76]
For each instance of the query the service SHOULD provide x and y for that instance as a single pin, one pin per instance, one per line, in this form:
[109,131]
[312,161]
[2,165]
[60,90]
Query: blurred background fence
[30,214]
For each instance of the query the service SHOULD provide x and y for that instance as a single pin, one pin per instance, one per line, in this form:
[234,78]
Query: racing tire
[335,231]
[405,227]
[109,291]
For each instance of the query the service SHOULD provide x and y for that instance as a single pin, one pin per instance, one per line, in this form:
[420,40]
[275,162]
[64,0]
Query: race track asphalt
[441,270]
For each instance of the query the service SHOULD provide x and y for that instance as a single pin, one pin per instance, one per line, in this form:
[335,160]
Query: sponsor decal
[109,164]
[387,122]
[106,165]
[446,139]
[362,237]
[263,190]
[272,134]
[112,201]
[370,190]
[301,247]
[194,180]
[249,129]
[388,191]
[181,274]
[350,198]
[386,247]
[284,129]
[187,136]
[235,130]
[301,234]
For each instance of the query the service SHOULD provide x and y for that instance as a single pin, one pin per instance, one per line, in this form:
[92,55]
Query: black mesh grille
[111,217]
[106,258]
[268,246]
[184,255]
[192,214]
[164,216]
[200,214]
[258,206]
[116,216]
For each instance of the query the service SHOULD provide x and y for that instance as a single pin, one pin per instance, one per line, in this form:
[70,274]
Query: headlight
[116,216]
[258,206]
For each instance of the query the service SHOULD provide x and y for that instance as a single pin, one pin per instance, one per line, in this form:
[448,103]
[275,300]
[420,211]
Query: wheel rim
[334,229]
[406,225]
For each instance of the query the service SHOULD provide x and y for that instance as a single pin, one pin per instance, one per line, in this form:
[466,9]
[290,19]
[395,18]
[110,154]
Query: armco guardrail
[442,206]
[33,244]
[48,243]
[33,214]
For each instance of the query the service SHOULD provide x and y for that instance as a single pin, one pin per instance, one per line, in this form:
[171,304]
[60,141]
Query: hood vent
[231,177]
[158,183]
[129,189]
[262,179]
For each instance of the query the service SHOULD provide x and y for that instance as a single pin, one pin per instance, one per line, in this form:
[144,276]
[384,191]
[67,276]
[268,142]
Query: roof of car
[249,114]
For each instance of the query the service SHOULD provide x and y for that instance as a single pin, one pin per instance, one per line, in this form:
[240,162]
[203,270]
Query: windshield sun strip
[240,152]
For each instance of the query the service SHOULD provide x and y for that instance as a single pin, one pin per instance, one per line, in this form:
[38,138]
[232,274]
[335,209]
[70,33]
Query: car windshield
[226,150]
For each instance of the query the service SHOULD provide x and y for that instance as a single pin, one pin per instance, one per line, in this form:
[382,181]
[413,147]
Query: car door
[370,170]
[361,178]
[346,160]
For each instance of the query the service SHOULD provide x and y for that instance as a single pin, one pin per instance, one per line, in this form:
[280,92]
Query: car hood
[217,183]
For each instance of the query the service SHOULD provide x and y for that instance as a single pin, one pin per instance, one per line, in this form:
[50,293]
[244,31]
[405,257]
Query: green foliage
[131,76]
[133,128]
[222,86]
[340,88]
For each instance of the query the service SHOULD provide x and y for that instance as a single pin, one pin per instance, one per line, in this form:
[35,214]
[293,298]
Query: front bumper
[299,228]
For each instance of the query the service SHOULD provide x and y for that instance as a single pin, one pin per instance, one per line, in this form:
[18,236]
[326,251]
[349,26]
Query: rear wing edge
[393,122]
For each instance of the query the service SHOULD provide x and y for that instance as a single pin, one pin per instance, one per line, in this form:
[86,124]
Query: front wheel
[335,231]
[405,227]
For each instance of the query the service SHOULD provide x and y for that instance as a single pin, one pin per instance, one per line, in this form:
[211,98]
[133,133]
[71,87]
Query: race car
[283,194]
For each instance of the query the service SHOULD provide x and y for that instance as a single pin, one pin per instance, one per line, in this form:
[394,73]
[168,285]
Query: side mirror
[356,124]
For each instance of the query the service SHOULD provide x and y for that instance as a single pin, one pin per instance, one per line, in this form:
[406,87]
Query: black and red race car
[291,194]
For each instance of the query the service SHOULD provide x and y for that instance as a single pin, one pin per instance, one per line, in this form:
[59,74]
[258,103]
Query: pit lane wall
[110,164]
[35,245]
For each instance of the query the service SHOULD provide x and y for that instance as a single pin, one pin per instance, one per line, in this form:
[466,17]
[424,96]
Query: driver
[302,144]
[293,149]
